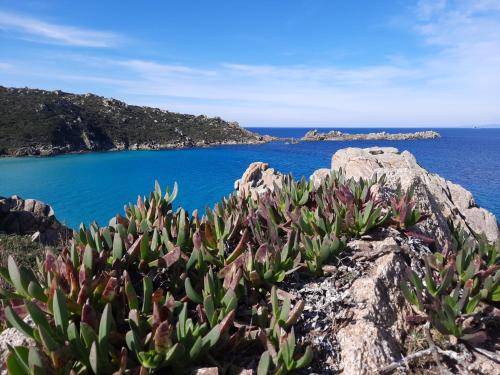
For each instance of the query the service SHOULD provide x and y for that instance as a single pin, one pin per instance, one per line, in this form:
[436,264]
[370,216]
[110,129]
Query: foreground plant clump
[460,287]
[159,290]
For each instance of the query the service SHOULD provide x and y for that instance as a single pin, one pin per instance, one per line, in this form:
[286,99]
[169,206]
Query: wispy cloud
[426,9]
[151,68]
[457,80]
[41,31]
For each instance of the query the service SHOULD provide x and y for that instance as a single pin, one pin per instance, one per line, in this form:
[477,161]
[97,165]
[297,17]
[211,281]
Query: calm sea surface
[95,186]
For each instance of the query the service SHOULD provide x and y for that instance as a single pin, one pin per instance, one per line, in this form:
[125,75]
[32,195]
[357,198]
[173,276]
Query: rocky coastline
[49,150]
[31,217]
[336,135]
[43,123]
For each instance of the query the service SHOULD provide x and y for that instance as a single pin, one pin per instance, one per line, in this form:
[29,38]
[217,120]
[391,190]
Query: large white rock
[257,179]
[319,175]
[444,200]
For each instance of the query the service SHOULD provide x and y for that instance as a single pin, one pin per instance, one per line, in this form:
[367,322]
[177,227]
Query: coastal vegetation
[159,289]
[455,282]
[22,249]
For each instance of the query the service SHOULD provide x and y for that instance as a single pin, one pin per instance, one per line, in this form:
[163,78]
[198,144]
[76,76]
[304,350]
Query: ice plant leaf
[105,326]
[117,246]
[60,311]
[35,362]
[162,338]
[264,364]
[305,359]
[147,286]
[16,277]
[18,360]
[16,322]
[191,293]
[48,340]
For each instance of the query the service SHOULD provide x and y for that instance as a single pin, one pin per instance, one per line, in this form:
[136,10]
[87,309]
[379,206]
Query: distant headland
[37,122]
[43,123]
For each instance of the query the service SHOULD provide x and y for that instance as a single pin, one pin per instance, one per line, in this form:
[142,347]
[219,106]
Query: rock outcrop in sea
[32,217]
[335,135]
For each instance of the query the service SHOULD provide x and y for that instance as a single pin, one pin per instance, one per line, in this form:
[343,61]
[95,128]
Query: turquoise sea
[95,186]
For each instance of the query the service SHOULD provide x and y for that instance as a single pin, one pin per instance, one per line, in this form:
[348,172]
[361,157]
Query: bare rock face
[13,337]
[319,175]
[444,200]
[32,217]
[373,339]
[257,179]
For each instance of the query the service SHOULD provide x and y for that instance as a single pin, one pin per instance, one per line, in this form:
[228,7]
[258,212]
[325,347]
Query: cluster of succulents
[161,290]
[404,214]
[458,285]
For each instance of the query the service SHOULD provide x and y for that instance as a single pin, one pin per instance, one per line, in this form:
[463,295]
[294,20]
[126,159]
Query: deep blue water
[87,187]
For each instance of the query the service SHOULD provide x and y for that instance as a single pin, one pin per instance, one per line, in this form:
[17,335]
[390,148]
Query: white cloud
[428,8]
[42,31]
[154,69]
[456,82]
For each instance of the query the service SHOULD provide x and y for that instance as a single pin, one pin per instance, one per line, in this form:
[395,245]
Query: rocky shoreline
[32,217]
[45,151]
[45,123]
[336,135]
[253,139]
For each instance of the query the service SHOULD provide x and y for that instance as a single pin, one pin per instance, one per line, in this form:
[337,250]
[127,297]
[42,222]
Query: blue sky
[267,62]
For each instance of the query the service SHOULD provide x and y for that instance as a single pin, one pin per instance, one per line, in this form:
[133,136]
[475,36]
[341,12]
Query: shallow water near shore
[95,186]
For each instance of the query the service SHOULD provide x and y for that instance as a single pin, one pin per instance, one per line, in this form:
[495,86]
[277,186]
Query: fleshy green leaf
[60,311]
[16,322]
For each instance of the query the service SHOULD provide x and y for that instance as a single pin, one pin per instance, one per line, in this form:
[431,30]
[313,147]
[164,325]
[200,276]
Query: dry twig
[433,350]
[490,355]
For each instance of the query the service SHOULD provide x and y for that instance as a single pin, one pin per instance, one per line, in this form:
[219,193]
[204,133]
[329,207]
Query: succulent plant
[456,284]
[319,250]
[280,356]
[404,213]
[160,290]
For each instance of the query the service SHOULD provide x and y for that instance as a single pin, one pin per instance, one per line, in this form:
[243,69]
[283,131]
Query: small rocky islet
[353,313]
[336,135]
